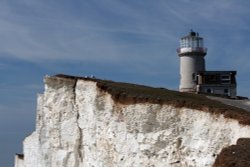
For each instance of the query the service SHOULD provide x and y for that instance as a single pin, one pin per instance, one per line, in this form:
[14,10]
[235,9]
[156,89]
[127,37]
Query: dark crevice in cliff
[79,149]
[79,142]
[74,91]
[127,93]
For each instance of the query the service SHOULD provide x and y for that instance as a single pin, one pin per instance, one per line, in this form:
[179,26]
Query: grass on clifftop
[127,93]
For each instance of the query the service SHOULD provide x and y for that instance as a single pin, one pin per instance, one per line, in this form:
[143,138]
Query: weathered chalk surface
[78,124]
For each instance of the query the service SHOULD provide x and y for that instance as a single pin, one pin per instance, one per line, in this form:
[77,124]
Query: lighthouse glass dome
[191,41]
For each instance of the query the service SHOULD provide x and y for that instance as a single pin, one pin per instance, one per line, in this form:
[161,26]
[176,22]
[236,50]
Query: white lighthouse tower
[191,53]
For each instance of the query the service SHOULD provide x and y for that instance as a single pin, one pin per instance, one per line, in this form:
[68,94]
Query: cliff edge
[97,123]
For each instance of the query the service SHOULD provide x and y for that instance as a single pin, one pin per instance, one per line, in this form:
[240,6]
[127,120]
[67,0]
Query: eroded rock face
[79,124]
[236,155]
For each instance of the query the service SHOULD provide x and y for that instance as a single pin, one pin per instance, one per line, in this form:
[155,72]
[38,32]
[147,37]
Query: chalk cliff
[95,123]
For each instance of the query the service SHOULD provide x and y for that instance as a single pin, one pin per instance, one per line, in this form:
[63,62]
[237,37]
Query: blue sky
[122,40]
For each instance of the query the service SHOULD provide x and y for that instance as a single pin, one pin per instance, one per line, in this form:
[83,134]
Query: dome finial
[192,33]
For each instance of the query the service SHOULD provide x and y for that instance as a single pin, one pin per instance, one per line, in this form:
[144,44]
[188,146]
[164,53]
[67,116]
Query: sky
[122,40]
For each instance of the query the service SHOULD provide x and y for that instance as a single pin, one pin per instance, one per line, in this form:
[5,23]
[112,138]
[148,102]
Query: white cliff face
[80,125]
[19,161]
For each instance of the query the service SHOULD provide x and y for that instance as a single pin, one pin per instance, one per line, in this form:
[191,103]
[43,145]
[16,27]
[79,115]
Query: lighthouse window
[209,90]
[225,77]
[194,77]
[188,42]
[212,79]
[225,81]
[184,43]
[194,42]
[226,91]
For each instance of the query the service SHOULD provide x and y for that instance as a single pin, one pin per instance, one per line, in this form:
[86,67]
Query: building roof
[192,34]
[217,72]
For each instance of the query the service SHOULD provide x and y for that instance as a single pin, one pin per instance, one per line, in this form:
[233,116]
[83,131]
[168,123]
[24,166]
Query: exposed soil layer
[235,156]
[127,93]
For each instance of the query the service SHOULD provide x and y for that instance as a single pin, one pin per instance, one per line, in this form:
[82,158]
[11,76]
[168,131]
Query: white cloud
[62,38]
[110,30]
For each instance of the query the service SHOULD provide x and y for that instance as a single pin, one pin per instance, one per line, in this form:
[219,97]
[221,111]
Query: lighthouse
[193,74]
[191,53]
